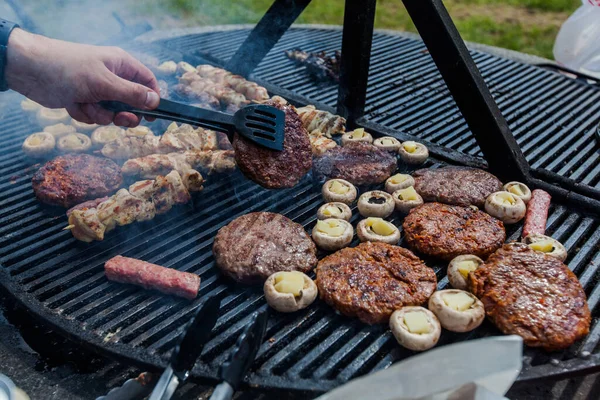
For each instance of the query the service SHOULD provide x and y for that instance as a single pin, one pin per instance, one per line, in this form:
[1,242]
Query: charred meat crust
[358,163]
[460,186]
[445,231]
[533,295]
[252,247]
[372,280]
[277,169]
[72,179]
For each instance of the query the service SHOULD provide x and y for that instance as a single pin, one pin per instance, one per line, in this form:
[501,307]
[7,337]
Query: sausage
[537,213]
[152,276]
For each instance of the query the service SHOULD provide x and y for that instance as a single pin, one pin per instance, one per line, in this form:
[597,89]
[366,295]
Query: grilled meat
[533,295]
[321,121]
[456,185]
[152,276]
[251,90]
[256,245]
[276,169]
[444,231]
[318,65]
[72,179]
[193,85]
[372,280]
[358,163]
[214,161]
[537,213]
[320,143]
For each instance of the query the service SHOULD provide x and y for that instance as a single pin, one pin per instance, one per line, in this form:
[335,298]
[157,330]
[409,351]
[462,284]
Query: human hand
[76,76]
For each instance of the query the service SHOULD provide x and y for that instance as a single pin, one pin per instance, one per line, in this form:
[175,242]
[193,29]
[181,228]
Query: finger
[126,119]
[77,113]
[134,94]
[97,114]
[133,70]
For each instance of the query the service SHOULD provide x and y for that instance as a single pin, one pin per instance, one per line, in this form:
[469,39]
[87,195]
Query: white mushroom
[30,106]
[375,204]
[39,144]
[398,181]
[407,199]
[520,190]
[332,234]
[139,131]
[374,229]
[546,244]
[415,328]
[334,210]
[289,291]
[413,152]
[357,135]
[74,143]
[83,127]
[339,190]
[106,134]
[59,130]
[507,207]
[459,269]
[167,68]
[183,67]
[51,116]
[387,143]
[457,310]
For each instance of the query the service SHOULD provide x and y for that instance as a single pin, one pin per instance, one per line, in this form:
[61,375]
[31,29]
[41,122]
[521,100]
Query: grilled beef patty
[444,231]
[72,179]
[372,280]
[254,246]
[277,169]
[358,163]
[460,186]
[533,295]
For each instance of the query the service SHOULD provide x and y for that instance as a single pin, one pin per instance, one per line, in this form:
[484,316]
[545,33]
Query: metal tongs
[259,123]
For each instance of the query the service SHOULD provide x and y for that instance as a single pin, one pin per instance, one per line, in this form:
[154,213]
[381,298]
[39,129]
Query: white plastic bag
[577,45]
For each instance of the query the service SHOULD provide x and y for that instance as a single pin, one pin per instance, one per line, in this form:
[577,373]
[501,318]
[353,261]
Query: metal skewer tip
[68,227]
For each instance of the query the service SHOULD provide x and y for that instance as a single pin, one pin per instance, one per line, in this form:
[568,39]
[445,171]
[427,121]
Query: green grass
[528,26]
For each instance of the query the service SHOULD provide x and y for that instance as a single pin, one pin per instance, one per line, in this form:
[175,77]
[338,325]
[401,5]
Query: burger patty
[277,169]
[72,179]
[373,279]
[533,295]
[460,186]
[254,246]
[358,163]
[444,231]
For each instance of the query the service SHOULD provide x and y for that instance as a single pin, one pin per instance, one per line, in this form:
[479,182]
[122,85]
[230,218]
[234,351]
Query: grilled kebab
[212,161]
[251,90]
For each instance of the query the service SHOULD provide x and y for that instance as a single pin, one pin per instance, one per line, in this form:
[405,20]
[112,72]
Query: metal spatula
[259,123]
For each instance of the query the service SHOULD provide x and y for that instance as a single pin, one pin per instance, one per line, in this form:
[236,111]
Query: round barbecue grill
[61,280]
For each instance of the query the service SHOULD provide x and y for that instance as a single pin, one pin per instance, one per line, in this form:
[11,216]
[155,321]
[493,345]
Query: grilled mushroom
[74,143]
[357,135]
[106,134]
[415,328]
[520,190]
[507,207]
[138,131]
[39,144]
[332,234]
[339,190]
[398,181]
[59,130]
[459,268]
[407,199]
[375,204]
[183,67]
[546,244]
[83,127]
[413,152]
[289,291]
[167,68]
[387,143]
[30,106]
[457,310]
[51,116]
[334,210]
[374,229]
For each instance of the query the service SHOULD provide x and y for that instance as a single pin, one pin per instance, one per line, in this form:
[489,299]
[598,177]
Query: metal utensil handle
[223,391]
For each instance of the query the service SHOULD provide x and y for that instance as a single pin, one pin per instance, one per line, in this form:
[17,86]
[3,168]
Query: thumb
[134,94]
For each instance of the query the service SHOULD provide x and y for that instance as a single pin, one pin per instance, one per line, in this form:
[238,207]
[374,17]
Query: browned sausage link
[537,213]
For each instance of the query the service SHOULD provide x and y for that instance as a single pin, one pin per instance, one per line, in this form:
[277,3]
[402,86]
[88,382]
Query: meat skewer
[318,65]
[251,90]
[151,276]
[214,161]
[324,122]
[537,213]
[191,84]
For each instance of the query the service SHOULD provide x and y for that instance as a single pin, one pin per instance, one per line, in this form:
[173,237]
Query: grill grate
[61,280]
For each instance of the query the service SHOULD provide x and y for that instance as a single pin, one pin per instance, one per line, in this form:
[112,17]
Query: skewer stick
[68,227]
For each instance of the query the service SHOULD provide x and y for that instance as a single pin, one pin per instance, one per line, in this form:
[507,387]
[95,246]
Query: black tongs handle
[179,112]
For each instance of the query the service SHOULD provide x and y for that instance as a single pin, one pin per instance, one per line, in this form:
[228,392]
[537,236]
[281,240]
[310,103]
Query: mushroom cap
[415,341]
[393,147]
[64,143]
[333,243]
[46,145]
[347,138]
[558,251]
[404,206]
[365,234]
[106,134]
[167,68]
[509,213]
[455,320]
[391,187]
[346,212]
[526,196]
[50,116]
[457,280]
[82,126]
[419,156]
[287,302]
[59,130]
[383,206]
[347,198]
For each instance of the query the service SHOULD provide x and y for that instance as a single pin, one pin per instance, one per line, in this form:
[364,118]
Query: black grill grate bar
[17,197]
[13,182]
[585,148]
[29,219]
[19,213]
[365,360]
[51,238]
[587,170]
